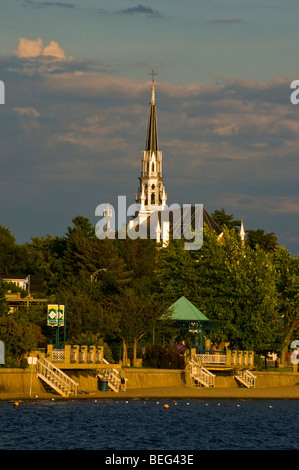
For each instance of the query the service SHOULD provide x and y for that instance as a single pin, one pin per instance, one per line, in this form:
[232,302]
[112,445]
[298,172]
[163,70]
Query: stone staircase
[111,376]
[55,378]
[200,376]
[245,378]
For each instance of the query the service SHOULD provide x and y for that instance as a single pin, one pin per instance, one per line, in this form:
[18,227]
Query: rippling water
[145,424]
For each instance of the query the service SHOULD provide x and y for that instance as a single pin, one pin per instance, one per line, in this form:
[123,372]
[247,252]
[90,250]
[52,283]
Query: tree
[46,254]
[237,287]
[176,272]
[9,252]
[4,309]
[224,220]
[287,282]
[266,241]
[19,338]
[137,315]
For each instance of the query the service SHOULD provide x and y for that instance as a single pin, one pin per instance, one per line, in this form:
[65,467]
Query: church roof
[179,218]
[184,310]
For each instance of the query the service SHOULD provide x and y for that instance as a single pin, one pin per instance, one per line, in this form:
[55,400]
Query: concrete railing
[75,355]
[228,358]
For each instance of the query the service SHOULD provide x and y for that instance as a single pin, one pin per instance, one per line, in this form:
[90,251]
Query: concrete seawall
[24,381]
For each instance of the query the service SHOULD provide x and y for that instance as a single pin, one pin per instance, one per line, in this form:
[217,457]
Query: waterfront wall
[19,381]
[22,381]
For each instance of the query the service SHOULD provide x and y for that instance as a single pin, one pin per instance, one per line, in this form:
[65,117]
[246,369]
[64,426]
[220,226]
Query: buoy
[16,404]
[166,406]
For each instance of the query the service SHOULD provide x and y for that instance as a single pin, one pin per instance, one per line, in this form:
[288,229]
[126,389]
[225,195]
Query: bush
[161,357]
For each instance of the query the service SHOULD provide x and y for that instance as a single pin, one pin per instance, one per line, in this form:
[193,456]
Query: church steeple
[151,192]
[152,134]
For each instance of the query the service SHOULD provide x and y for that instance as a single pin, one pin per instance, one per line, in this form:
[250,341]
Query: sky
[77,91]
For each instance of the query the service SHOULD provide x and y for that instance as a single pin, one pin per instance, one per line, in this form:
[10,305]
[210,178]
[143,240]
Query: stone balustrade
[76,357]
[228,358]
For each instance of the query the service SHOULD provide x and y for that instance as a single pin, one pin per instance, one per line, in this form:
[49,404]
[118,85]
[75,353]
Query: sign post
[56,317]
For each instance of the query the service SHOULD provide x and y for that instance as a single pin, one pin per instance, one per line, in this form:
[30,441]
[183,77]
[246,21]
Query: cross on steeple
[153,75]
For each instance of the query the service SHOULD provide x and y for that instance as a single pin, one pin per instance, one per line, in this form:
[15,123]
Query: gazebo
[186,316]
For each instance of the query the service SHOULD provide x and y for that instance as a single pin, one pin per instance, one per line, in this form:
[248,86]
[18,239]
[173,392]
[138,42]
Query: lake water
[195,424]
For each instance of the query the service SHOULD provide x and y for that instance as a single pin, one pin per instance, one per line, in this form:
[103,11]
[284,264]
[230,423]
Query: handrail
[247,376]
[211,358]
[112,375]
[42,364]
[201,373]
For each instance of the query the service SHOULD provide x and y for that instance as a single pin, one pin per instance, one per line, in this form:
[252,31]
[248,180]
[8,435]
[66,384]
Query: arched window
[153,167]
[153,198]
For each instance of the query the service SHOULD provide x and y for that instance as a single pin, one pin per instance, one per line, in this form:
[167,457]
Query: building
[155,219]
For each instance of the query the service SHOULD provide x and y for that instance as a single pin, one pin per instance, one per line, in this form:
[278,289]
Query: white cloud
[28,48]
[28,111]
[54,50]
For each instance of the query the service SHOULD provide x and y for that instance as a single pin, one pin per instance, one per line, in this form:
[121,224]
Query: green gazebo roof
[184,310]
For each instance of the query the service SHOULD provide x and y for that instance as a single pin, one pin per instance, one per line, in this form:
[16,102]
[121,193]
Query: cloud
[227,21]
[231,144]
[29,111]
[48,4]
[28,48]
[274,205]
[140,9]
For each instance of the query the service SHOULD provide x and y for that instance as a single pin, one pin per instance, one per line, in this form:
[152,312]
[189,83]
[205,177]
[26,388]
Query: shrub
[161,357]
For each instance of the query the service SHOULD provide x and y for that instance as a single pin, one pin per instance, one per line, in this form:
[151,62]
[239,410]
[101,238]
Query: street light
[93,275]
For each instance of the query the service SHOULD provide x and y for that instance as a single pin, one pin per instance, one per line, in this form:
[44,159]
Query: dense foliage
[115,291]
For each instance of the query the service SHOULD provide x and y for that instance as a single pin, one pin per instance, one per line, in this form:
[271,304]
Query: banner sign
[55,315]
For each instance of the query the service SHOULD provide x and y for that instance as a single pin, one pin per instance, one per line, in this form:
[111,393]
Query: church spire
[152,134]
[151,192]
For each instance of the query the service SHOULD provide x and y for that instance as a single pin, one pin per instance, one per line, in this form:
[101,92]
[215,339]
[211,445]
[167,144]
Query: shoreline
[169,393]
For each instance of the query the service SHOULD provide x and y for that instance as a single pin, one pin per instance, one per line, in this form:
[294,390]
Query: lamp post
[93,275]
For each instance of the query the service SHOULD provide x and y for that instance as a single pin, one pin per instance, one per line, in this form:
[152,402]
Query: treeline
[116,291]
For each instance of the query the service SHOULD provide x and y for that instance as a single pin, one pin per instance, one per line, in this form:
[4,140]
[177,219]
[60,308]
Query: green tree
[224,220]
[4,309]
[266,241]
[19,339]
[176,272]
[238,288]
[137,315]
[287,268]
[46,254]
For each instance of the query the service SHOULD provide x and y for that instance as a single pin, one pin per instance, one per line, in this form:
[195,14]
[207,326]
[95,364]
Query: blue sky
[77,93]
